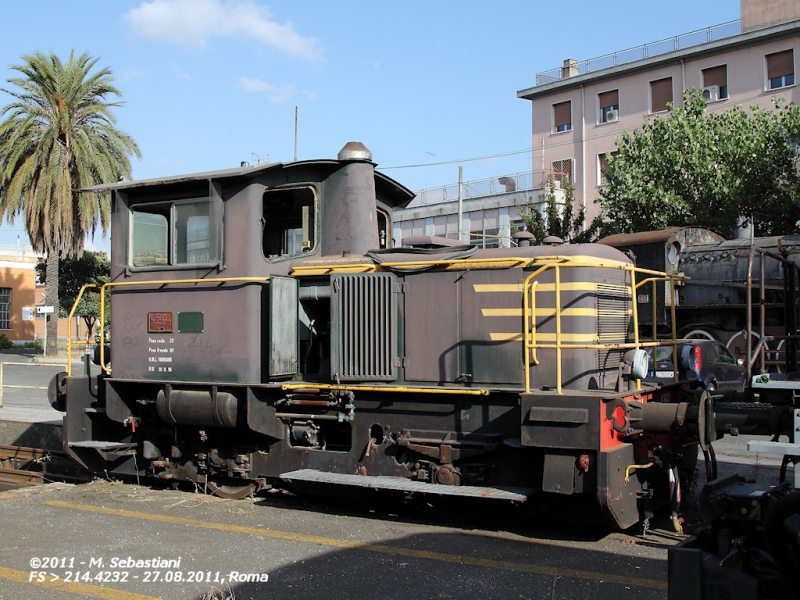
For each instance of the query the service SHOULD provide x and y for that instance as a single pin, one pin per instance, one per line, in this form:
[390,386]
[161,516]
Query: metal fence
[678,42]
[529,180]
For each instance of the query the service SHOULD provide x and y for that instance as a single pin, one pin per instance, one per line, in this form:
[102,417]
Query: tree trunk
[51,299]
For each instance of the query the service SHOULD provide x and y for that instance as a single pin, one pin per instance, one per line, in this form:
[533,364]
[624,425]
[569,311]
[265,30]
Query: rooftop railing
[529,180]
[678,42]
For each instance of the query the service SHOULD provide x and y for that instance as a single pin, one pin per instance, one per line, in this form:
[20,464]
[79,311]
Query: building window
[562,170]
[5,308]
[660,94]
[715,83]
[780,69]
[609,106]
[562,116]
[603,167]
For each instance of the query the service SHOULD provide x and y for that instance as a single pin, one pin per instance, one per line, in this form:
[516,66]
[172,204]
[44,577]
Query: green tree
[699,168]
[58,136]
[73,273]
[559,220]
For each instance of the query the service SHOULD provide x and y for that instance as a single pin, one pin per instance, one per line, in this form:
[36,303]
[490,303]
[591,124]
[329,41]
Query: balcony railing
[679,42]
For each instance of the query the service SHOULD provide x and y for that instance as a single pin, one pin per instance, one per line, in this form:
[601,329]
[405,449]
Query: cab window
[289,217]
[176,234]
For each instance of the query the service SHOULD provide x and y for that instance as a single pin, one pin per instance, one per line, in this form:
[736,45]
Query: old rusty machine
[265,333]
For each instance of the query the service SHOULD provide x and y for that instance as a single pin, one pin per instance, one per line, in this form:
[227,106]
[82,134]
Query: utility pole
[295,134]
[460,205]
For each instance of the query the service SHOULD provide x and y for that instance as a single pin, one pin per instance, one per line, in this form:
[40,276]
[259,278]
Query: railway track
[24,467]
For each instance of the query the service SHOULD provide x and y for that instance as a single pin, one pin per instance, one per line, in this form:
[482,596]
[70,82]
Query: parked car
[708,362]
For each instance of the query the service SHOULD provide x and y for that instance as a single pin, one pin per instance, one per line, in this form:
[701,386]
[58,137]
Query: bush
[36,344]
[5,343]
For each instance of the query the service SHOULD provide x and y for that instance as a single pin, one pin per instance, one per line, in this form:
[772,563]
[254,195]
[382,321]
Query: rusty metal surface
[23,466]
[686,235]
[640,237]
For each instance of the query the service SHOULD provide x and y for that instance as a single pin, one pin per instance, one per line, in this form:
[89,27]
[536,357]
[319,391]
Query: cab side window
[174,234]
[289,217]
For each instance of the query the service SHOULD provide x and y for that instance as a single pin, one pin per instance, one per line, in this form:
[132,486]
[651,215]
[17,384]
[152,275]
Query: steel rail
[21,466]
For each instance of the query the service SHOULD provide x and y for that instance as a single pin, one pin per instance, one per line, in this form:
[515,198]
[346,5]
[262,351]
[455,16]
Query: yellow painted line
[569,286]
[82,589]
[380,548]
[542,312]
[376,388]
[589,338]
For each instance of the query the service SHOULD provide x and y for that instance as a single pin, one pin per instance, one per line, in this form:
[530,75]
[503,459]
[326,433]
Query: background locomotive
[264,335]
[713,303]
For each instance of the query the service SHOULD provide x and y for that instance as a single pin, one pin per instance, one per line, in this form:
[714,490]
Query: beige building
[580,108]
[17,299]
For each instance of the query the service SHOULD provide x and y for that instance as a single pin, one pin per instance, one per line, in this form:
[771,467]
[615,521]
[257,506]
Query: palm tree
[58,136]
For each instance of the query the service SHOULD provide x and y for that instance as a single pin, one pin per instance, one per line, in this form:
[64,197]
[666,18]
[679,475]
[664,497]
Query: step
[408,485]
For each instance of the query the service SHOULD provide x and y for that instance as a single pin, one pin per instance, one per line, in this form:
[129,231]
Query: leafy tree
[74,273]
[58,137]
[561,221]
[701,168]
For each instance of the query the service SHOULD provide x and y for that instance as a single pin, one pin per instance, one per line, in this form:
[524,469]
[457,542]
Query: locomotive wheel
[232,491]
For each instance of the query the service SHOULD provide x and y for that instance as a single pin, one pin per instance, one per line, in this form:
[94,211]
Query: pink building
[580,108]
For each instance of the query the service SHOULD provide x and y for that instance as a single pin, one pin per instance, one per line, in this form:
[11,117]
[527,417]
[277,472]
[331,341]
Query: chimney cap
[355,151]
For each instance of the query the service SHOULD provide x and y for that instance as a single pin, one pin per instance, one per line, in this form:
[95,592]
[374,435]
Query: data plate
[158,322]
[665,373]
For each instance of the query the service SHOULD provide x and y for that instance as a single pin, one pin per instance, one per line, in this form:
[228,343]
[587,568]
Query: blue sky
[210,83]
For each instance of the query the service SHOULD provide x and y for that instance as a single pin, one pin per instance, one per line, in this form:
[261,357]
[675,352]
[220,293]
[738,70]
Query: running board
[408,485]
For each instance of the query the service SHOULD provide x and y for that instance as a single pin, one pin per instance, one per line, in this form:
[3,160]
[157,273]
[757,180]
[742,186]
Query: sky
[207,84]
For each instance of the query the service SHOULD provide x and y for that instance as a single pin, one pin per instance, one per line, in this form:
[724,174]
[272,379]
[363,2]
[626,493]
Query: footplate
[407,485]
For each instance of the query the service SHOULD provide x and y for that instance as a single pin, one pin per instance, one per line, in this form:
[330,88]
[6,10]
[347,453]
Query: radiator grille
[364,330]
[613,322]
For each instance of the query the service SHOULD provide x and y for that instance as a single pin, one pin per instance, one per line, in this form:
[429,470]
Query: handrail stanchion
[654,302]
[69,324]
[634,306]
[558,329]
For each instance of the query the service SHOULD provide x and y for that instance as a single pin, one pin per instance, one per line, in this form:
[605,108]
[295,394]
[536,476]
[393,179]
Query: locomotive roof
[398,194]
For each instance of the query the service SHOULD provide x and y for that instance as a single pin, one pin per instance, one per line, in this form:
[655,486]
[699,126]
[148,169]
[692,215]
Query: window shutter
[780,64]
[607,99]
[562,113]
[715,76]
[562,170]
[660,94]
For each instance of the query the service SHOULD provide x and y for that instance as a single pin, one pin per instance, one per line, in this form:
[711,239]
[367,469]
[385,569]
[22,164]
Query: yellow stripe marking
[569,286]
[551,312]
[83,589]
[380,548]
[589,338]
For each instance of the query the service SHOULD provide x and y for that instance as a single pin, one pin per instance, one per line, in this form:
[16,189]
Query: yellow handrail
[557,263]
[69,326]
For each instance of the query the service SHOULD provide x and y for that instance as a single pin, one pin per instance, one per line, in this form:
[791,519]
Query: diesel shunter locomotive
[266,334]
